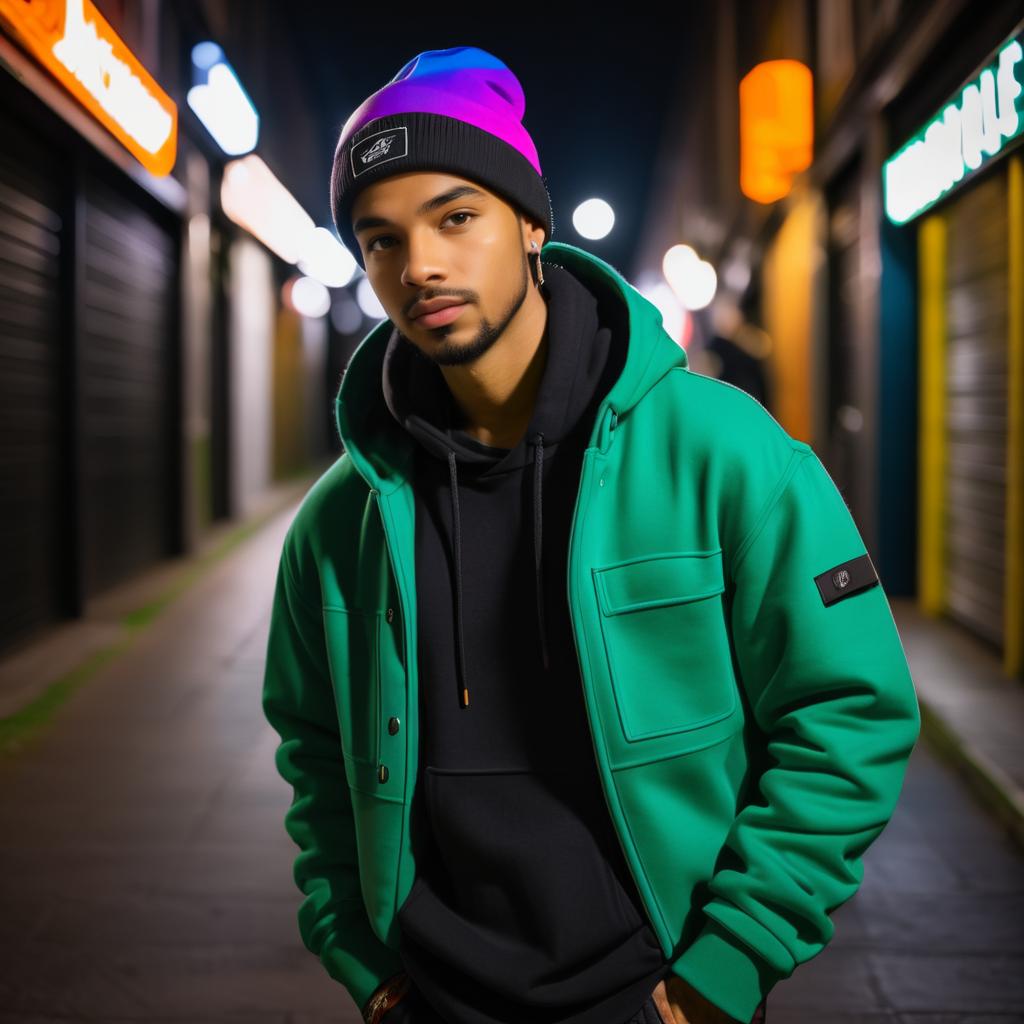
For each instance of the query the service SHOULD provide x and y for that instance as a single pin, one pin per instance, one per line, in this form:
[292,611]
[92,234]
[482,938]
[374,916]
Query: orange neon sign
[776,128]
[76,44]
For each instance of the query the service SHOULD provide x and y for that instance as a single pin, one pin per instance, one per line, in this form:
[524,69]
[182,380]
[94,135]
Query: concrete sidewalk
[971,713]
[35,679]
[146,874]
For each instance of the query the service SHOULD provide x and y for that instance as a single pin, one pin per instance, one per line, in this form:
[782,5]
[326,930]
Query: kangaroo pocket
[527,890]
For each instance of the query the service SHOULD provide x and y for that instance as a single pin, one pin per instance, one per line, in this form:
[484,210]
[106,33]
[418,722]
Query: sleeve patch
[846,579]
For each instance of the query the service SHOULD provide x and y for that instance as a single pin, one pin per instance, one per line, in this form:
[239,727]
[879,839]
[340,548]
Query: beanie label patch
[379,148]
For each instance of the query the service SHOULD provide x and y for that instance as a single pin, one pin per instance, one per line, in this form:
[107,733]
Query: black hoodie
[523,908]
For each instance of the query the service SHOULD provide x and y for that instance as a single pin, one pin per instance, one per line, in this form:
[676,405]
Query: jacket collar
[382,452]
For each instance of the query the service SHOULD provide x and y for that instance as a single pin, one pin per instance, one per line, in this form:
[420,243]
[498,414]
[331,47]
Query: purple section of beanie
[464,83]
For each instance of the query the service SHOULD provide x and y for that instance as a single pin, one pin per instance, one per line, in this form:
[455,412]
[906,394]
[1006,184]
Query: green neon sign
[967,134]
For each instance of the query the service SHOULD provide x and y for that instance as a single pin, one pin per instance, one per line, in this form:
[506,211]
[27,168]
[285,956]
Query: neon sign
[79,48]
[973,128]
[776,128]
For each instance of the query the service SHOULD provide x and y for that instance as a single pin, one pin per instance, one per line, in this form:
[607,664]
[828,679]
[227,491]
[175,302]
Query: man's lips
[442,315]
[433,305]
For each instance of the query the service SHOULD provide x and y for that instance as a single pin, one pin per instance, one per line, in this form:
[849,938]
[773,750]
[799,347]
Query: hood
[382,451]
[392,397]
[579,334]
[416,394]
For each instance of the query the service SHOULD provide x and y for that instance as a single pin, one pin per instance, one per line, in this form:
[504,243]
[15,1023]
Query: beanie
[458,110]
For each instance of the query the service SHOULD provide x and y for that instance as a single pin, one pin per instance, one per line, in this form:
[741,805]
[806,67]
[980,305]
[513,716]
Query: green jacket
[750,703]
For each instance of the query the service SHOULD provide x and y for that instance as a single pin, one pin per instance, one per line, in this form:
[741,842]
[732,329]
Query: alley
[749,291]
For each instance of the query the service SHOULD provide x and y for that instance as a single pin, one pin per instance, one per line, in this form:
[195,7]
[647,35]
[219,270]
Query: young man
[588,691]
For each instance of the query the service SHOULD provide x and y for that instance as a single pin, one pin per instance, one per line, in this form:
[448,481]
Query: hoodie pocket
[666,639]
[353,656]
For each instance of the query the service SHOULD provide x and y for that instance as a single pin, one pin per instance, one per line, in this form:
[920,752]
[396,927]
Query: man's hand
[679,1002]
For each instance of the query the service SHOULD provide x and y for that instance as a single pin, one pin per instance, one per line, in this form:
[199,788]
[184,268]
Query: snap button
[382,773]
[393,725]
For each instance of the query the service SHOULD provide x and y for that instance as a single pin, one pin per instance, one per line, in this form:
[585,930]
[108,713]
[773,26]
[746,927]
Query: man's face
[426,235]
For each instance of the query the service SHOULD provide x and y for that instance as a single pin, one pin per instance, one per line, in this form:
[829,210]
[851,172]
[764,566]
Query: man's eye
[458,213]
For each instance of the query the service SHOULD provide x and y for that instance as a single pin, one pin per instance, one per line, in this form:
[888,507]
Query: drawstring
[538,538]
[538,547]
[460,642]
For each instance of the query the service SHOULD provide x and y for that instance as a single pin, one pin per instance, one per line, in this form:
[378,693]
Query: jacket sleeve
[831,691]
[298,702]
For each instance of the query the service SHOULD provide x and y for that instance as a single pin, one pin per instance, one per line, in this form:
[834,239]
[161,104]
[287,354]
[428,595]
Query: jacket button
[393,725]
[391,614]
[382,773]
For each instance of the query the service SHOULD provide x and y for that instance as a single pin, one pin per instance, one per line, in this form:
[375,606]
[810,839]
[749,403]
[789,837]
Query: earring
[538,273]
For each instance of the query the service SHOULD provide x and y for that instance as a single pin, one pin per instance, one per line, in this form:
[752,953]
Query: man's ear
[532,229]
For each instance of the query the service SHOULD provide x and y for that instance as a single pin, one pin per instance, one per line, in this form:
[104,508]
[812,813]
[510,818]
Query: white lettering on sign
[111,81]
[970,131]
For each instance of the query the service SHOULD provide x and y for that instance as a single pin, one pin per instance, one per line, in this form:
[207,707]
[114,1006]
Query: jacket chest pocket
[353,654]
[665,635]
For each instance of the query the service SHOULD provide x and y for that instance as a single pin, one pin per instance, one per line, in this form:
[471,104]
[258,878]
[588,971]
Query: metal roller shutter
[128,386]
[31,254]
[976,311]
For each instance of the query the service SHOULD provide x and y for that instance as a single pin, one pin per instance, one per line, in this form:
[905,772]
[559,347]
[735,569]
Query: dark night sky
[598,93]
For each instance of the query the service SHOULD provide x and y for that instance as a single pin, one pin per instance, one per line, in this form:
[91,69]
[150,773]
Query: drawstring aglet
[465,696]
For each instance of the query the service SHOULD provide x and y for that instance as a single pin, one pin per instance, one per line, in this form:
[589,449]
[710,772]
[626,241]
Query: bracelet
[386,997]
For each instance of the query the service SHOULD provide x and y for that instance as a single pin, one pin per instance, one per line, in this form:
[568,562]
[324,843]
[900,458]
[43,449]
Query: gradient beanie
[459,111]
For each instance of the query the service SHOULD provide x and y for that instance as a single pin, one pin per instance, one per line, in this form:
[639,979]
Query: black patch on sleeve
[846,579]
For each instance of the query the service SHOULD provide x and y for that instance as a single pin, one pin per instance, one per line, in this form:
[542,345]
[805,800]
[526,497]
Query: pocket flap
[654,580]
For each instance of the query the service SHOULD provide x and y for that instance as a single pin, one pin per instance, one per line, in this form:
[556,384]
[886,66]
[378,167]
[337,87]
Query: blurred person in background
[613,821]
[736,352]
